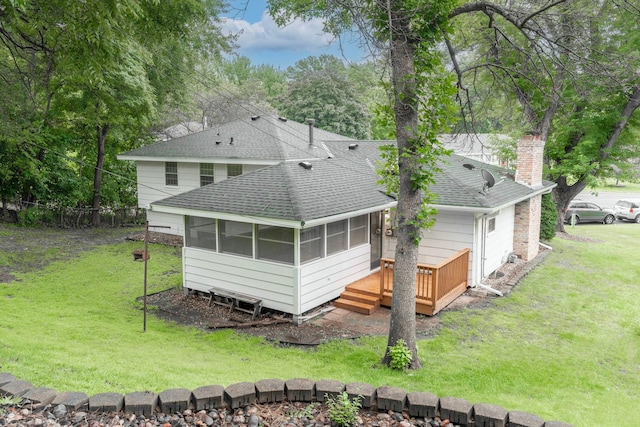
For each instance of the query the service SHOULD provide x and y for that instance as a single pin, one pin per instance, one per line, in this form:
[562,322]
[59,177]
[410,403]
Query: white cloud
[265,34]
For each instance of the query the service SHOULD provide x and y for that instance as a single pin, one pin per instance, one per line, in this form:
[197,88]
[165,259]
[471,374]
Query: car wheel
[609,219]
[637,219]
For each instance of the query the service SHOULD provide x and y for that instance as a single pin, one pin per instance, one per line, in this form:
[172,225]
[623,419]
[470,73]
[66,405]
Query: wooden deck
[436,286]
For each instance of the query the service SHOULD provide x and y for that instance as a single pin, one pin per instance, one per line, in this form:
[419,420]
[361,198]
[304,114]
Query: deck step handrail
[433,282]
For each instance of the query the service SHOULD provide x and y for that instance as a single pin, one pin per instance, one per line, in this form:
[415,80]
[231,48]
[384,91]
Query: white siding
[151,181]
[451,233]
[274,283]
[325,279]
[158,221]
[498,244]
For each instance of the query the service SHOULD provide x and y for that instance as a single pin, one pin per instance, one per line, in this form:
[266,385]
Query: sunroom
[288,235]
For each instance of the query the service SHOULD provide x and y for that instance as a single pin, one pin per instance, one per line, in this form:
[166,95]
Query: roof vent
[353,146]
[310,122]
[306,165]
[231,141]
[469,166]
[254,118]
[218,142]
[282,119]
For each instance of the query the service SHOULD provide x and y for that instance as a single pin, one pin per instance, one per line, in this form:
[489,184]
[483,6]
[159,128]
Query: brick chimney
[526,235]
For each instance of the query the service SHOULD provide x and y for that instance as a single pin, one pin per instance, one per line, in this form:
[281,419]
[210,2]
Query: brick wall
[526,235]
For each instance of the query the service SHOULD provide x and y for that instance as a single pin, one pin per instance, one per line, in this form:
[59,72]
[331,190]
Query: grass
[564,345]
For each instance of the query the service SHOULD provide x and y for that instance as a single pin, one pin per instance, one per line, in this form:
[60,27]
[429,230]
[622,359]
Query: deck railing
[433,282]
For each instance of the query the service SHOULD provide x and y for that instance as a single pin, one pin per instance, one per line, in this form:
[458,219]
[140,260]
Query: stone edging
[382,399]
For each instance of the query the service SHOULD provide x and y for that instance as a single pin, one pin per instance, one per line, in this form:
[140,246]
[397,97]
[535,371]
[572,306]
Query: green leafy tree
[572,68]
[94,68]
[319,88]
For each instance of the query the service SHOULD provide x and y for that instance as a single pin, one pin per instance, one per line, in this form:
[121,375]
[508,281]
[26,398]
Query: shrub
[343,411]
[548,218]
[400,355]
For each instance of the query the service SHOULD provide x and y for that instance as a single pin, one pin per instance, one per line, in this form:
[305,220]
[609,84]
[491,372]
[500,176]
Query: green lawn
[564,344]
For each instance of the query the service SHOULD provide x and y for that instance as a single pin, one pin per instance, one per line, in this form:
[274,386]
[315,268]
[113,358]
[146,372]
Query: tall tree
[319,88]
[572,67]
[107,65]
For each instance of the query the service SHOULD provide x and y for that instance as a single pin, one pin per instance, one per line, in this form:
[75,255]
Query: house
[181,164]
[295,231]
[476,146]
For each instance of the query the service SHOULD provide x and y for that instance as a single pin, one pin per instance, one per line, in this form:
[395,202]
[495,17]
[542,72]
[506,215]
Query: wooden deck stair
[357,300]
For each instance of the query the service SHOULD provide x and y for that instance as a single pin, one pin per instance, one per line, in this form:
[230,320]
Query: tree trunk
[101,132]
[403,306]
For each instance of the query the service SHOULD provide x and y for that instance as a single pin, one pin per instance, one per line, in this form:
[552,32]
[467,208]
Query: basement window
[491,226]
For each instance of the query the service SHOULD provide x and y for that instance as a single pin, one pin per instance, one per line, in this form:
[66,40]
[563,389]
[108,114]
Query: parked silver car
[627,210]
[581,211]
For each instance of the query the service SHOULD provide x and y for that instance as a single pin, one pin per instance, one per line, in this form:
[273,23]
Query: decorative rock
[240,394]
[72,400]
[16,388]
[271,390]
[254,421]
[141,402]
[300,390]
[208,397]
[106,402]
[328,388]
[366,391]
[174,400]
[456,410]
[40,396]
[487,415]
[422,404]
[524,419]
[6,378]
[60,411]
[391,398]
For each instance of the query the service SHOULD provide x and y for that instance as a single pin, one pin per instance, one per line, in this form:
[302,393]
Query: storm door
[376,222]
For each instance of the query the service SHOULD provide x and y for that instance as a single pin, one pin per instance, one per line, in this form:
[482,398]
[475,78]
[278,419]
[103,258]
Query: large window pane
[206,174]
[171,173]
[236,238]
[275,244]
[201,233]
[311,243]
[358,232]
[336,237]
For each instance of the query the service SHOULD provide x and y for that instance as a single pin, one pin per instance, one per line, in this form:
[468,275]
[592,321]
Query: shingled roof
[459,184]
[266,139]
[290,191]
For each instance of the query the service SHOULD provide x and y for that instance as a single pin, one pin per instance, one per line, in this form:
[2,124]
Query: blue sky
[262,41]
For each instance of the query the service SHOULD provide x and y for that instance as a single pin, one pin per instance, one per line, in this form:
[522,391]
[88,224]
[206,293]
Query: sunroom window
[201,233]
[275,244]
[337,236]
[358,230]
[236,238]
[311,243]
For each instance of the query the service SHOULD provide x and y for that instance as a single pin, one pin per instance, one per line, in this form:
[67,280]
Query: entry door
[376,223]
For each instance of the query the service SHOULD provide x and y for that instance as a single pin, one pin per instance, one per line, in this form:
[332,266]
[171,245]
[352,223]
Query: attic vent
[306,165]
[254,118]
[353,146]
[469,166]
[282,119]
